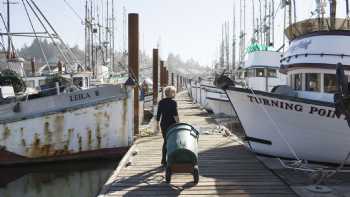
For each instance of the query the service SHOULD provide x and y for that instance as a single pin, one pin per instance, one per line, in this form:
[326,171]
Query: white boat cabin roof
[263,59]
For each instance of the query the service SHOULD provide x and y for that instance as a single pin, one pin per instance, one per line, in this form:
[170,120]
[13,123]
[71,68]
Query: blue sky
[191,28]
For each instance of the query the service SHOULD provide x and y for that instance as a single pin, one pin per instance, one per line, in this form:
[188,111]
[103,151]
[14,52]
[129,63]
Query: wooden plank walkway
[226,167]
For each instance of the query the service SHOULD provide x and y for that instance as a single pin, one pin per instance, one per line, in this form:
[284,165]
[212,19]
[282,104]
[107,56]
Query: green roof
[256,47]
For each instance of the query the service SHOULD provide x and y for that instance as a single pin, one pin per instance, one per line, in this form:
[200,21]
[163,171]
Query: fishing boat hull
[195,93]
[219,103]
[289,127]
[79,125]
[203,100]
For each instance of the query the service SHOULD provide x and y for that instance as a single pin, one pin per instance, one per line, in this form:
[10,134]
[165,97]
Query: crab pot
[182,151]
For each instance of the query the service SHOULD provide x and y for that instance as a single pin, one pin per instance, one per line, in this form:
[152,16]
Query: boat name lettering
[328,113]
[301,45]
[79,97]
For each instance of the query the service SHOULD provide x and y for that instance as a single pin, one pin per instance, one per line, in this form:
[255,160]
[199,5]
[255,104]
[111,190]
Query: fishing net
[11,78]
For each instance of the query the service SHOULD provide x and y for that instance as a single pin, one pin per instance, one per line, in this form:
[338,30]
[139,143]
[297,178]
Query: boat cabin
[81,80]
[315,50]
[261,71]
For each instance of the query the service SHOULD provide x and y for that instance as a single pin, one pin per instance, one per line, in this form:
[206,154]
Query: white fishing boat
[219,102]
[298,121]
[67,125]
[195,92]
[66,119]
[204,85]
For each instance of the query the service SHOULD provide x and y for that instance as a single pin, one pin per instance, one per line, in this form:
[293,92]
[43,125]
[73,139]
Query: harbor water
[56,180]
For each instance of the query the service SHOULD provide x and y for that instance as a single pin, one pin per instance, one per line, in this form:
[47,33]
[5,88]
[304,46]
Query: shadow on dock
[226,167]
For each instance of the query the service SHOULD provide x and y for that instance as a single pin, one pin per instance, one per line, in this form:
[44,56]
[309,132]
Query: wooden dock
[226,167]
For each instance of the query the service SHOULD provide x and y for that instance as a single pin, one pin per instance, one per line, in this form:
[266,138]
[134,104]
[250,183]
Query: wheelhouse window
[298,82]
[86,81]
[30,83]
[42,82]
[250,73]
[260,72]
[330,85]
[78,81]
[312,82]
[272,73]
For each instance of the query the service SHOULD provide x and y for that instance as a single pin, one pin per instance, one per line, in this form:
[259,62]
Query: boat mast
[86,23]
[222,48]
[272,23]
[9,48]
[260,23]
[234,39]
[227,44]
[113,36]
[242,32]
[107,40]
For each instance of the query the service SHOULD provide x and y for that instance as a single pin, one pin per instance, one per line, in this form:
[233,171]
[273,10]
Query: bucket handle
[194,132]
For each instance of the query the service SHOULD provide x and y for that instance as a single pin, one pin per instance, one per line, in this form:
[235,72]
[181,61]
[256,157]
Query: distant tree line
[36,48]
[40,48]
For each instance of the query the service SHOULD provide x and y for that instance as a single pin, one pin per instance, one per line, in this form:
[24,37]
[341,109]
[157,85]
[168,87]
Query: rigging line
[4,23]
[70,53]
[278,9]
[47,31]
[74,11]
[31,24]
[291,149]
[6,28]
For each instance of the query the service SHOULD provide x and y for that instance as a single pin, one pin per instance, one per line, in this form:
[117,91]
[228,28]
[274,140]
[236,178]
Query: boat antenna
[347,8]
[333,13]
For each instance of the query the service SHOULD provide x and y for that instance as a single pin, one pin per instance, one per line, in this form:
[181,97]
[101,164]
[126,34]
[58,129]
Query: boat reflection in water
[56,180]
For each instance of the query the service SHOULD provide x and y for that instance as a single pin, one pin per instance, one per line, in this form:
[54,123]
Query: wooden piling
[166,77]
[177,82]
[172,79]
[32,64]
[161,74]
[133,43]
[155,75]
[180,83]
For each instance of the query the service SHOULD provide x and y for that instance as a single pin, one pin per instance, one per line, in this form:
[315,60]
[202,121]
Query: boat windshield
[314,82]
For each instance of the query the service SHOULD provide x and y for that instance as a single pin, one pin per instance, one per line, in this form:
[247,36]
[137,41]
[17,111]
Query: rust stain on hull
[49,136]
[80,142]
[6,134]
[98,135]
[47,133]
[10,159]
[89,138]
